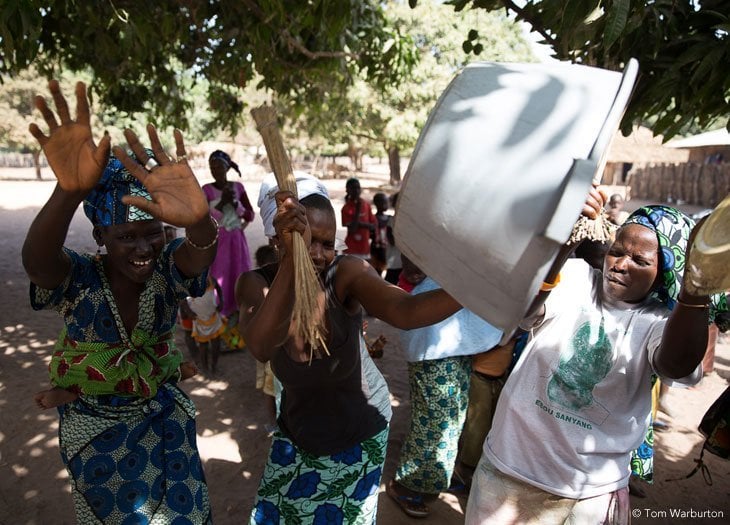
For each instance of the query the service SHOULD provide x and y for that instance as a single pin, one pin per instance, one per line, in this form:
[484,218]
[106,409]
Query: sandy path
[233,442]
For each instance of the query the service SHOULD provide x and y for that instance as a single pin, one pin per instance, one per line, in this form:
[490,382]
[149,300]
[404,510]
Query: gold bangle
[210,244]
[688,305]
[546,286]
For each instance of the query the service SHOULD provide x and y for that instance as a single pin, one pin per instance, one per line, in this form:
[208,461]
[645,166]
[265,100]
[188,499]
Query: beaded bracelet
[546,287]
[210,244]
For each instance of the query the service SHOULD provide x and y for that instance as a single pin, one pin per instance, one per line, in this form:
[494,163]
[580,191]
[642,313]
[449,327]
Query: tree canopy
[139,50]
[683,49]
[393,117]
[147,56]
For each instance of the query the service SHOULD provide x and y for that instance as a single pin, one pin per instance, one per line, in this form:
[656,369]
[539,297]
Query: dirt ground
[232,438]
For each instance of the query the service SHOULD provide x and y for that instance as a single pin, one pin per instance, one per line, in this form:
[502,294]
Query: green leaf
[616,21]
[473,34]
[412,3]
[466,46]
[373,450]
[289,513]
[711,61]
[351,512]
[276,484]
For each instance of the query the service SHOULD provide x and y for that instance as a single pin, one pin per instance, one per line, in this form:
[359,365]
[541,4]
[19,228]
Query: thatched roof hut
[711,147]
[642,147]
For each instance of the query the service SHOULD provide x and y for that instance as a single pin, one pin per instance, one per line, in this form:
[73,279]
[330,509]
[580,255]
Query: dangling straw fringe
[599,229]
[308,325]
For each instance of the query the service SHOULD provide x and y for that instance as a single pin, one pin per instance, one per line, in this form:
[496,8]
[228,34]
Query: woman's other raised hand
[76,160]
[176,195]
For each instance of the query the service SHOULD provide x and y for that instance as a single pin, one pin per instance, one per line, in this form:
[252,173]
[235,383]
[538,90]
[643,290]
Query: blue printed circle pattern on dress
[136,435]
[132,495]
[176,466]
[199,498]
[98,469]
[190,432]
[196,467]
[76,466]
[173,435]
[104,324]
[111,439]
[84,313]
[157,455]
[136,519]
[157,489]
[133,464]
[101,500]
[180,499]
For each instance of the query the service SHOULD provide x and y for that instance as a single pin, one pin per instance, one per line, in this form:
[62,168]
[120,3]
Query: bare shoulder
[350,267]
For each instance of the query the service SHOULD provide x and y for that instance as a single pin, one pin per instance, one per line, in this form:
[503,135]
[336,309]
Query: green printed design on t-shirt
[587,362]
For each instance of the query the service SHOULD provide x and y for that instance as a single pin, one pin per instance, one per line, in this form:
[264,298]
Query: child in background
[266,255]
[357,217]
[185,320]
[411,275]
[208,324]
[392,259]
[379,242]
[57,396]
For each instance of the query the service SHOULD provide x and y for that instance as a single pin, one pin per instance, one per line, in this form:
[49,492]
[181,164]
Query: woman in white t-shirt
[579,400]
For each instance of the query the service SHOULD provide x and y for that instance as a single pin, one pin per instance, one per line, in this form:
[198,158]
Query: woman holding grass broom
[326,459]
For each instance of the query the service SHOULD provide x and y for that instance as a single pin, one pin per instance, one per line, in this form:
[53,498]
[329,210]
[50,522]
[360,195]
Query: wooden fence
[689,183]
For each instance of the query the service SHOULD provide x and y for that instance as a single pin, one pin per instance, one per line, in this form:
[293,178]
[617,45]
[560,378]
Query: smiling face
[132,249]
[631,266]
[323,226]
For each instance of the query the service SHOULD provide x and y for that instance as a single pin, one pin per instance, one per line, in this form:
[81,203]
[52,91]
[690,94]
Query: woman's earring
[97,257]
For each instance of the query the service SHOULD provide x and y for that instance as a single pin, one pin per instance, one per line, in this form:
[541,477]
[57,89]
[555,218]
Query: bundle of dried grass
[309,325]
[599,229]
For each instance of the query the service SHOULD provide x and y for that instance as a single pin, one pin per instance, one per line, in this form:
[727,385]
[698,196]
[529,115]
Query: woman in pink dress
[229,205]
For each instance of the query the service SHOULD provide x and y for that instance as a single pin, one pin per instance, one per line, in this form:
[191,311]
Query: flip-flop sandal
[413,506]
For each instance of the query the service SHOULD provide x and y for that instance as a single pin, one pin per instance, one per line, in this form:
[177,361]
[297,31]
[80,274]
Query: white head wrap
[306,185]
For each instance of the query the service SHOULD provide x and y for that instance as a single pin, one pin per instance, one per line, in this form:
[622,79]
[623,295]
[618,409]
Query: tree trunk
[394,163]
[355,154]
[37,163]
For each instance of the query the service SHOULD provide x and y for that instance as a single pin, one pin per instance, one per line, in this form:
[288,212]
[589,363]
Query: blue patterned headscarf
[104,206]
[672,228]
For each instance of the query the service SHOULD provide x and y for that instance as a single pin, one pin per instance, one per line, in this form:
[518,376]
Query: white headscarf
[306,185]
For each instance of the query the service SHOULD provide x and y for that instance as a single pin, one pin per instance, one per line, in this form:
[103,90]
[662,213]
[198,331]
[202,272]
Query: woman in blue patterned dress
[128,440]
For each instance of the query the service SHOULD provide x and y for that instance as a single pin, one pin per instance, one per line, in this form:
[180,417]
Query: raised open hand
[176,195]
[76,160]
